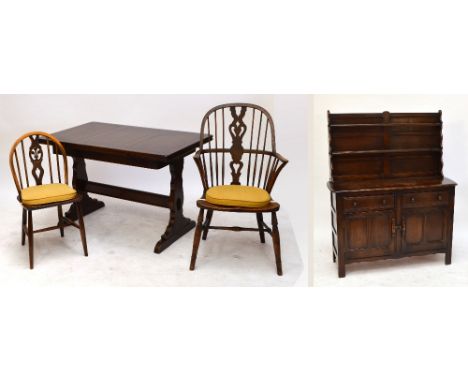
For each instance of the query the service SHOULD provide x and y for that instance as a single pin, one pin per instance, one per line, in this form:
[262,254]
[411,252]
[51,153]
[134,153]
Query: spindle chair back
[243,148]
[35,146]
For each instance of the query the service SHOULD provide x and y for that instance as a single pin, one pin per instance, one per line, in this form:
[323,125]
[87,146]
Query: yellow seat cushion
[238,196]
[47,193]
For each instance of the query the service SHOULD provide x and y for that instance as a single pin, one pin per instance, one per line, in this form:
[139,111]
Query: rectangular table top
[154,144]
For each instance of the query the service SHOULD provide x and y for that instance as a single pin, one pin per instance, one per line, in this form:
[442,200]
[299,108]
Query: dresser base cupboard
[389,198]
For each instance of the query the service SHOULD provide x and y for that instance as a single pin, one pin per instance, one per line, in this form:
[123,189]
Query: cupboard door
[424,229]
[369,234]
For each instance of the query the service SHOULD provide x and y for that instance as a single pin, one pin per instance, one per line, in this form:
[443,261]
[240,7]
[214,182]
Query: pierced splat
[237,130]
[36,154]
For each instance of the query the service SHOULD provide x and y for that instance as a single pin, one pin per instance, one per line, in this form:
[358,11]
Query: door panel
[424,229]
[357,233]
[435,227]
[369,234]
[414,228]
[381,238]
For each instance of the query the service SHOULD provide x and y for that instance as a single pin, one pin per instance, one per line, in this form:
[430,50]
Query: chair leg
[196,239]
[79,210]
[23,225]
[60,219]
[206,228]
[261,230]
[30,240]
[276,244]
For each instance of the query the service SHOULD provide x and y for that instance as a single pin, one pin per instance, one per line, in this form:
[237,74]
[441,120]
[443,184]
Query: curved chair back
[242,151]
[27,158]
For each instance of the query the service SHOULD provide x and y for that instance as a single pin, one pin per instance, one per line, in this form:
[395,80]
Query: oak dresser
[389,198]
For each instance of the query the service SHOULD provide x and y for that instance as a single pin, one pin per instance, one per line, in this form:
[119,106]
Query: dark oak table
[134,146]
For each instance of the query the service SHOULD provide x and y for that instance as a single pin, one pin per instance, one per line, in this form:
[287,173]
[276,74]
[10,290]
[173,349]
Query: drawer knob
[354,204]
[384,201]
[412,199]
[439,197]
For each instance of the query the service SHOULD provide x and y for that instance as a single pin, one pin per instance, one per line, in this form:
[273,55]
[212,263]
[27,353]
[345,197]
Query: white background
[296,46]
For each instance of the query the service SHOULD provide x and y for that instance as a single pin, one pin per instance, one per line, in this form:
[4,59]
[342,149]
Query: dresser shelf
[389,151]
[386,124]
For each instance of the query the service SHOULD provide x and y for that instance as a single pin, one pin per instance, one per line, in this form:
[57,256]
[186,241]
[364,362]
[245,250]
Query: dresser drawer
[426,199]
[364,203]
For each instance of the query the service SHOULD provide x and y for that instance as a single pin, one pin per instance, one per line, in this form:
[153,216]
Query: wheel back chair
[238,169]
[35,146]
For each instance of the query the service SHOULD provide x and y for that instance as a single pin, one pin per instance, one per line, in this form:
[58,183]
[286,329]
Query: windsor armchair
[238,170]
[40,196]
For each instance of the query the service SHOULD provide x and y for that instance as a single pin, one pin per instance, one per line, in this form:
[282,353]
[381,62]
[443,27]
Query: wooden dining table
[134,146]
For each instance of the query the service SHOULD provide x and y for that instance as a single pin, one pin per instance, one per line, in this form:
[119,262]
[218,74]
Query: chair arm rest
[281,158]
[282,161]
[198,161]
